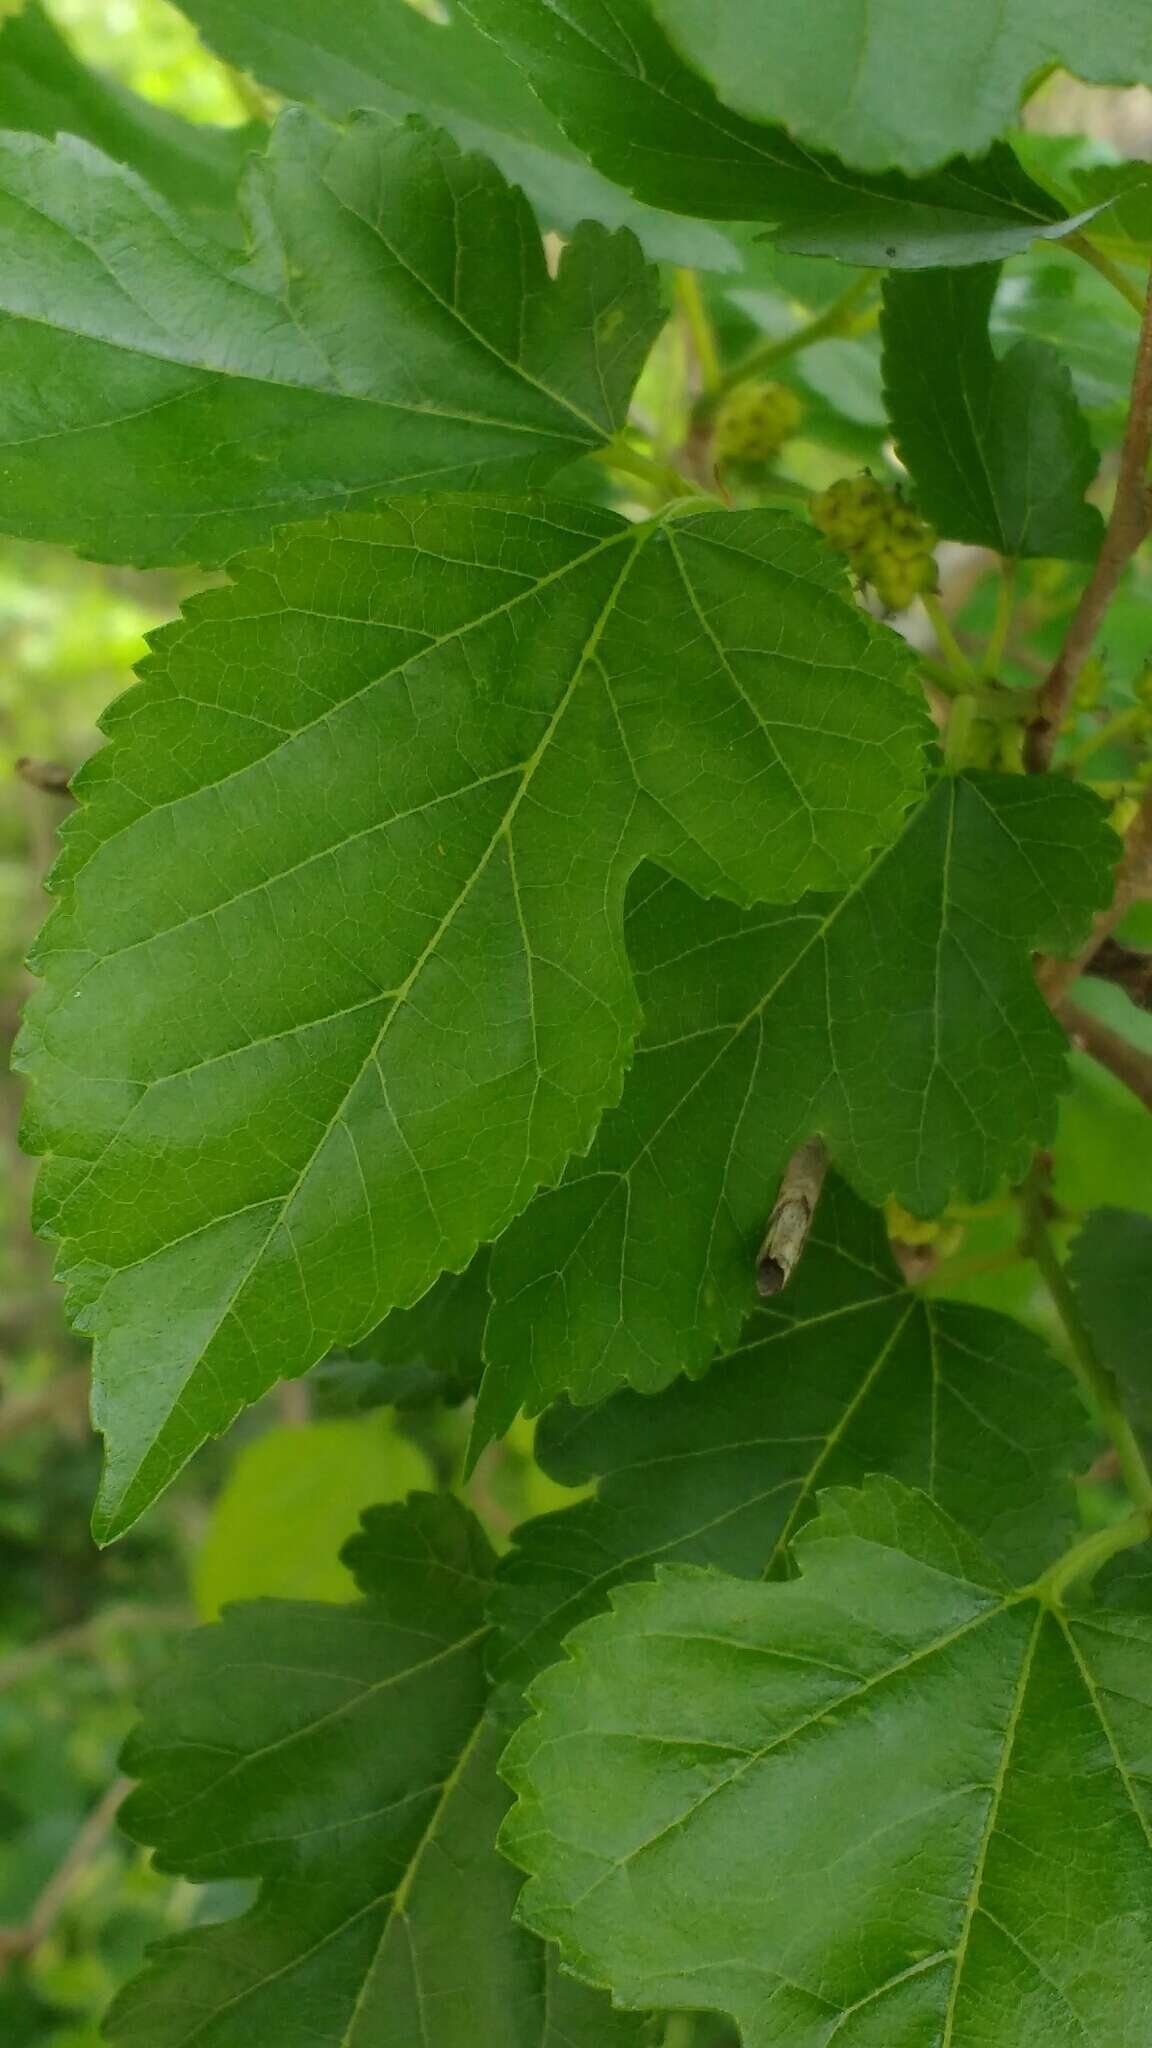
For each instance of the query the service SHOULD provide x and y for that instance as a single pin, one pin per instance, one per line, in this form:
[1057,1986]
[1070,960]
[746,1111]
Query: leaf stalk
[1087,1557]
[841,317]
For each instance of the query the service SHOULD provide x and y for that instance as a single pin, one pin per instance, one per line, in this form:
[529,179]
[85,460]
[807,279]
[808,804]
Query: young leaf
[394,326]
[900,1022]
[45,89]
[999,450]
[342,1756]
[891,1801]
[621,93]
[881,84]
[391,56]
[292,1497]
[382,796]
[845,1375]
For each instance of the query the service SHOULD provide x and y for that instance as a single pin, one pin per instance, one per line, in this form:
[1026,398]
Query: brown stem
[1128,525]
[20,1941]
[1133,881]
[1129,967]
[1117,1053]
[87,1635]
[49,776]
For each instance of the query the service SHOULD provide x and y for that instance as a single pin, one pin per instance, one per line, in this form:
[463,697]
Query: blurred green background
[266,1511]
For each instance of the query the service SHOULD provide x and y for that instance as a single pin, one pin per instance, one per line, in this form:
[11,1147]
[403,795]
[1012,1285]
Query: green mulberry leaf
[891,1801]
[999,451]
[399,59]
[431,1351]
[393,327]
[846,1374]
[900,1022]
[343,1756]
[381,796]
[882,84]
[607,72]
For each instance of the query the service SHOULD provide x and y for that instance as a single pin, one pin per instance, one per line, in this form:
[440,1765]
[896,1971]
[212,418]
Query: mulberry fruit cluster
[754,421]
[889,546]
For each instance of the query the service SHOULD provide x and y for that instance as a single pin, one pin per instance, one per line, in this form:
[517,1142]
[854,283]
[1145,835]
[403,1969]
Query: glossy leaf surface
[620,92]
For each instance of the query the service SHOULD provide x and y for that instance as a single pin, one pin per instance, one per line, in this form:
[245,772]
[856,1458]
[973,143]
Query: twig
[84,1635]
[1127,527]
[20,1941]
[954,655]
[791,1219]
[690,299]
[1133,881]
[50,776]
[1083,246]
[1097,1381]
[1130,967]
[838,318]
[1113,1051]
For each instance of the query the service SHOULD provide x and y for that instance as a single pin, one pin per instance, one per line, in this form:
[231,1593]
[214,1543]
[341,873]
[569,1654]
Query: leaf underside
[398,60]
[607,72]
[880,85]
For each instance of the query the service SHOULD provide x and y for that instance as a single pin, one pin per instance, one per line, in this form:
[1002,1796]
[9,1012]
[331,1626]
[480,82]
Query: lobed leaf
[900,1022]
[883,84]
[343,1757]
[619,90]
[998,449]
[393,326]
[337,978]
[724,1795]
[847,1374]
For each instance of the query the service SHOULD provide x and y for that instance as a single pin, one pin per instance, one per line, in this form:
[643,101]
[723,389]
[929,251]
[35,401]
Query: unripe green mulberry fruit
[888,545]
[849,511]
[754,421]
[897,578]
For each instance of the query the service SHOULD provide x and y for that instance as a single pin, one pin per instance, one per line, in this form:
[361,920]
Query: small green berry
[849,511]
[888,544]
[898,579]
[754,421]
